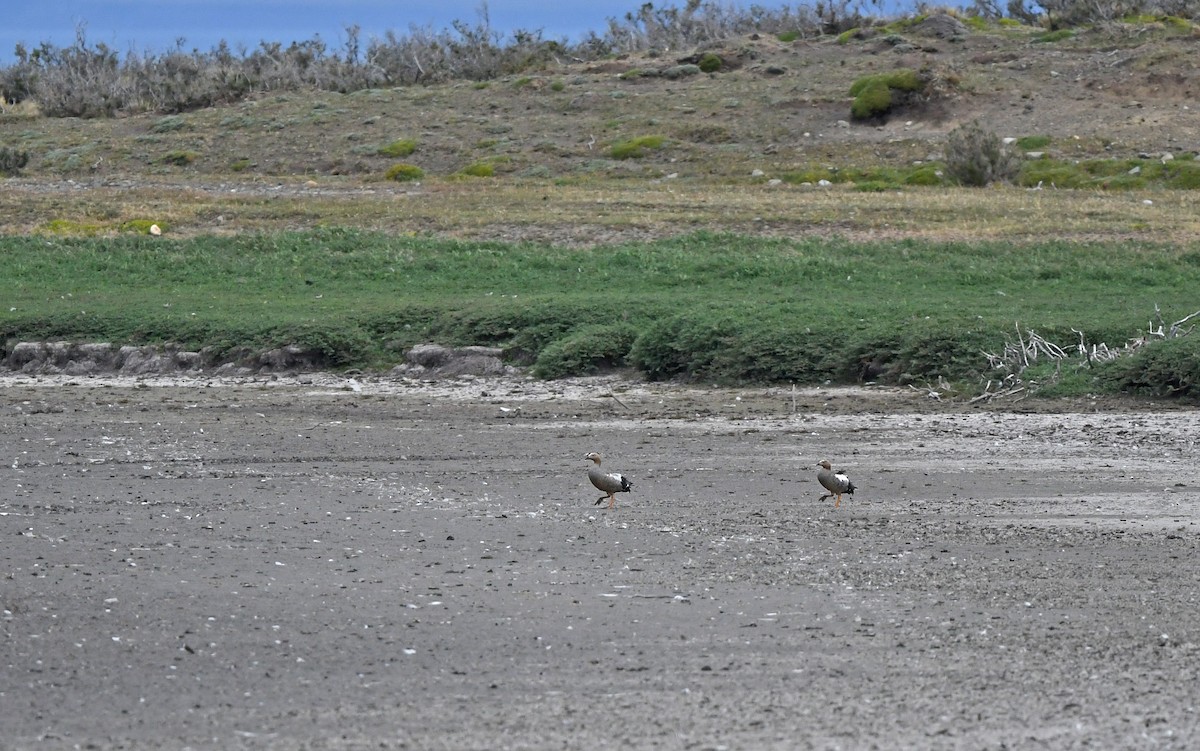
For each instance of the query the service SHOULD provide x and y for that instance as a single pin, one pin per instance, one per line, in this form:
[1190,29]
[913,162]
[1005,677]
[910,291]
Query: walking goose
[609,483]
[835,482]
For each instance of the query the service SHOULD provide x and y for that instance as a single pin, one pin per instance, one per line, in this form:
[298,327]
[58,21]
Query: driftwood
[1030,346]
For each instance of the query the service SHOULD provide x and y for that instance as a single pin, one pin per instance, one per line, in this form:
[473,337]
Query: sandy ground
[315,563]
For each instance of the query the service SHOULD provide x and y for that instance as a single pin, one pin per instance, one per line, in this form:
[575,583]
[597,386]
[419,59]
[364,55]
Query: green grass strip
[713,307]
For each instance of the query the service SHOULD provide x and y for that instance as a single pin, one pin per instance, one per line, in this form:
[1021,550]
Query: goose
[835,482]
[609,483]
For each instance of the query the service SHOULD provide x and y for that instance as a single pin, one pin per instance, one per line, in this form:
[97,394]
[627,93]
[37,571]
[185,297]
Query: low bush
[978,157]
[710,62]
[1165,368]
[398,148]
[925,175]
[1182,175]
[871,101]
[586,351]
[12,161]
[876,95]
[1033,143]
[404,172]
[479,169]
[179,157]
[636,148]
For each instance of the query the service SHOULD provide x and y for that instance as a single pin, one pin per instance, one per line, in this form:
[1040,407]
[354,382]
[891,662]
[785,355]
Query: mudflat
[318,562]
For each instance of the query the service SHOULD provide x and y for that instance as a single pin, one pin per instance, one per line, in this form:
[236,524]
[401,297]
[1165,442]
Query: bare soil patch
[301,562]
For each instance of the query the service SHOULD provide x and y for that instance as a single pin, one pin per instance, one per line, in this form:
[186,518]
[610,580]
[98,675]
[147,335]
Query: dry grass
[301,160]
[608,211]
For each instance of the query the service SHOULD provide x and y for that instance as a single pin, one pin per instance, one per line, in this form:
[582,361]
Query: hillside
[772,111]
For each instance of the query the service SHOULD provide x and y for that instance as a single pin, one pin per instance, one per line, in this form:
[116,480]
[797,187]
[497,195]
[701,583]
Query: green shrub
[710,62]
[241,165]
[479,169]
[179,157]
[636,148]
[1166,368]
[557,86]
[874,95]
[977,157]
[871,102]
[1033,143]
[925,175]
[1182,175]
[398,148]
[847,35]
[787,36]
[903,79]
[404,172]
[585,351]
[335,344]
[683,345]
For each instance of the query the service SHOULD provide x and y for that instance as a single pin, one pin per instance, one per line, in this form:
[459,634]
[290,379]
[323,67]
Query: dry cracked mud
[322,563]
